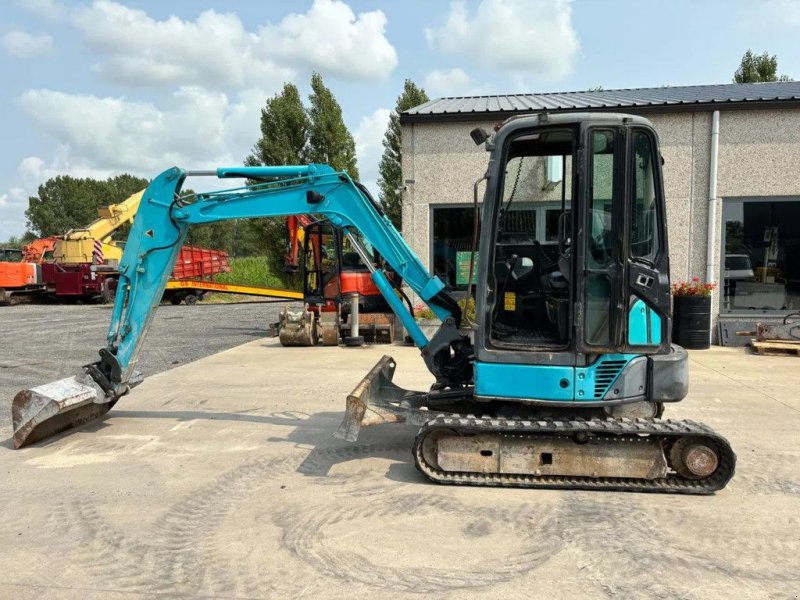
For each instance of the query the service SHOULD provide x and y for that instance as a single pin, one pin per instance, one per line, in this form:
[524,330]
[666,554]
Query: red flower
[693,288]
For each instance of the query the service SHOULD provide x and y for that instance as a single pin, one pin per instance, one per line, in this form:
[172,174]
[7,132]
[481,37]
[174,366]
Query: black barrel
[691,321]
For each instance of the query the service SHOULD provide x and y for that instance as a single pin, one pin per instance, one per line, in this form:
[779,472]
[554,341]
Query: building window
[452,243]
[452,236]
[761,258]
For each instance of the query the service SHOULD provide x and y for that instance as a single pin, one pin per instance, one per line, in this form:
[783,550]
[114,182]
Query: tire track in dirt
[89,542]
[637,543]
[305,534]
[179,554]
[184,534]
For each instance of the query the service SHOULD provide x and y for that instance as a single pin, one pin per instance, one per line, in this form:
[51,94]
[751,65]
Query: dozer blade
[46,410]
[374,401]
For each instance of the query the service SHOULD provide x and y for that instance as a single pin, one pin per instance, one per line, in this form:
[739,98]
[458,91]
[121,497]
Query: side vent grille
[605,375]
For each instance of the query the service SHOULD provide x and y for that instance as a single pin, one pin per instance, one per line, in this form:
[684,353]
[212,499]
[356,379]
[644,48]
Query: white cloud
[27,45]
[369,146]
[34,171]
[12,212]
[15,196]
[46,9]
[216,49]
[532,36]
[103,136]
[332,38]
[450,82]
[197,127]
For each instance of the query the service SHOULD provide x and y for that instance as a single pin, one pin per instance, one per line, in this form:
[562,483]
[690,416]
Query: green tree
[292,134]
[14,242]
[329,139]
[757,68]
[284,141]
[284,131]
[65,202]
[390,171]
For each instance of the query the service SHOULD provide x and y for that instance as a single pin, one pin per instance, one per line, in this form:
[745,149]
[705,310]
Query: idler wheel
[694,458]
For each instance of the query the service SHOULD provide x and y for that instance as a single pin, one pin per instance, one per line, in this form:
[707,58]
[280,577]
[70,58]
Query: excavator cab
[577,293]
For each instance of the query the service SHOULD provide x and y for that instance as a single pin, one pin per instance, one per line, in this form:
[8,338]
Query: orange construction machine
[20,271]
[37,251]
[340,299]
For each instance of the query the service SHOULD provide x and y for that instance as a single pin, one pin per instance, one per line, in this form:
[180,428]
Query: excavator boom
[158,232]
[35,251]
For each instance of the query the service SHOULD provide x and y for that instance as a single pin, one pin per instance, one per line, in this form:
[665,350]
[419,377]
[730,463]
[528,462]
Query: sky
[102,87]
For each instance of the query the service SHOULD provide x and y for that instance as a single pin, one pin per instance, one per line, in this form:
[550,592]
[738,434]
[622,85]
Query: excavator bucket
[297,328]
[374,401]
[48,409]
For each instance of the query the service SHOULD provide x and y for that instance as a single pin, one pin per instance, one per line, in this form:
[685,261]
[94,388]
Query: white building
[753,195]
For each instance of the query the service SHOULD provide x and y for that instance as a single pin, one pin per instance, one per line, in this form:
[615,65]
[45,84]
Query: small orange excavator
[21,274]
[335,279]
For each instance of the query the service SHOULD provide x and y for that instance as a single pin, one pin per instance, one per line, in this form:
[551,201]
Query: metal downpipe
[711,254]
[711,250]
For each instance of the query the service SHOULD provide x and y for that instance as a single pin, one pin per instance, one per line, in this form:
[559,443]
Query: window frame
[743,313]
[657,184]
[613,269]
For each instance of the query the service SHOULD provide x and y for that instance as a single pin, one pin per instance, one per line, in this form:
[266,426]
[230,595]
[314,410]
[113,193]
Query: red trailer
[91,281]
[197,264]
[80,281]
[194,262]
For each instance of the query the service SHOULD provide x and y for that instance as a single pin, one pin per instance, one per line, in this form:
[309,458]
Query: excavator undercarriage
[454,446]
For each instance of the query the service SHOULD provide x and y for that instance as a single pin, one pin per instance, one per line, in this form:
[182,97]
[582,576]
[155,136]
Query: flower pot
[691,321]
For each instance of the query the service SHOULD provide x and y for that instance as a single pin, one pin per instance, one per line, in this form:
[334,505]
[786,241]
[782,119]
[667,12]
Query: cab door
[645,285]
[621,263]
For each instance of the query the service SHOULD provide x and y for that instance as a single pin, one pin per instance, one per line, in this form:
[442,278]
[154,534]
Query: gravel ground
[40,343]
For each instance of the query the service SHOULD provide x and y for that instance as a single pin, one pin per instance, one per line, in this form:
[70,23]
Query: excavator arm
[158,232]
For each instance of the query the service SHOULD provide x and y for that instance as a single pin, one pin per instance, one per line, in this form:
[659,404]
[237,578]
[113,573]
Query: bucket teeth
[48,409]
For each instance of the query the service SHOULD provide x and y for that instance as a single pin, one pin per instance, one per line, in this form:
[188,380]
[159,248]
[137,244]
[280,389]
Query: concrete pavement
[220,478]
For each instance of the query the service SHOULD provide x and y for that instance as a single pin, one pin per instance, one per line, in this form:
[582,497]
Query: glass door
[600,254]
[624,265]
[646,279]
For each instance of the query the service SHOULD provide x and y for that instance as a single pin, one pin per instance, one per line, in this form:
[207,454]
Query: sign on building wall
[462,268]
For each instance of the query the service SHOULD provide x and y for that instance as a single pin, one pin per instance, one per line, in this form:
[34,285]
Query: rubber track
[626,430]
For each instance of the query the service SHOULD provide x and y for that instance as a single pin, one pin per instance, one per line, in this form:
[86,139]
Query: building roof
[672,98]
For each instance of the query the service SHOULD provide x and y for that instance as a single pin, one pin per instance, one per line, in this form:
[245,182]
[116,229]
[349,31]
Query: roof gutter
[644,109]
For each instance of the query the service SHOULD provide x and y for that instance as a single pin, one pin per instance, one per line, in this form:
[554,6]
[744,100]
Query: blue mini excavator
[561,380]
